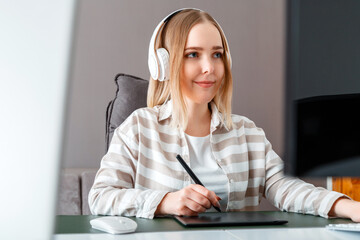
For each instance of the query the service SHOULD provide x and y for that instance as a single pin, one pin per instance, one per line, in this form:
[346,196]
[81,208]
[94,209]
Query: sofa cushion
[87,180]
[130,95]
[69,199]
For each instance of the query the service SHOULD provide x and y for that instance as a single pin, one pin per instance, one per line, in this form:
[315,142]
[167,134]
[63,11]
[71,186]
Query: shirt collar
[165,112]
[216,117]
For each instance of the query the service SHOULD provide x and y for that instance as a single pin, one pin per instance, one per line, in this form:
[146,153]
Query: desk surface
[81,223]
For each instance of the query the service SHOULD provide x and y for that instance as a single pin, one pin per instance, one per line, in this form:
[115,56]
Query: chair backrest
[130,95]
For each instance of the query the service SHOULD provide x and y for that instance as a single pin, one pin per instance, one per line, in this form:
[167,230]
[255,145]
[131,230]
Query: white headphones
[158,60]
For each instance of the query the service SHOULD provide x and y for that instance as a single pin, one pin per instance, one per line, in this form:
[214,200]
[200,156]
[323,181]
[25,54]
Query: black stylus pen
[192,175]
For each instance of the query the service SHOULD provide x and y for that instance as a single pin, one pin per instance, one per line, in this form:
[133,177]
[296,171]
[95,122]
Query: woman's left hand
[346,208]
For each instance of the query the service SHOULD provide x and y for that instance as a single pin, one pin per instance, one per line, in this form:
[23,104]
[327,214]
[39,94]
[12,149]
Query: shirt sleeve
[113,191]
[292,194]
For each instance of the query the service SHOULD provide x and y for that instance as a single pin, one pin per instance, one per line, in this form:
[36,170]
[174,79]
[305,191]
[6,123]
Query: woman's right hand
[189,201]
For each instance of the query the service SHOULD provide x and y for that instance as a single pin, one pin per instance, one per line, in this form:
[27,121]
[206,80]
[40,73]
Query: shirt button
[231,180]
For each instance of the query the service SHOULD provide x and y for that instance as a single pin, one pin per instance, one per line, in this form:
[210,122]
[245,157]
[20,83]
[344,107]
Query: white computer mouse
[114,225]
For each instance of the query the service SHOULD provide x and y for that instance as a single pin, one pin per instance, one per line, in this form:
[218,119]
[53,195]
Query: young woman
[189,113]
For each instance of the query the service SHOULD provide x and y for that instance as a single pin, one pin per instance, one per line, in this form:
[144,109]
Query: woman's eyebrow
[217,48]
[200,48]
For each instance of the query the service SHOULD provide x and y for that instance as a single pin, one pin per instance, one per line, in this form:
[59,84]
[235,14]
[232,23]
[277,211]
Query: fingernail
[217,204]
[219,198]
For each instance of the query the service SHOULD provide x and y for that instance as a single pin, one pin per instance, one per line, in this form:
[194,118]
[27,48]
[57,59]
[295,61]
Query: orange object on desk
[347,185]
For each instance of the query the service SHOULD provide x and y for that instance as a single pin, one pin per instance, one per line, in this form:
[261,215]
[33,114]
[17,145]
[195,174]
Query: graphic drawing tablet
[229,219]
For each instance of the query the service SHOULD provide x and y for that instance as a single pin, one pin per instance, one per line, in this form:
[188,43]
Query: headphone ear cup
[163,57]
[153,66]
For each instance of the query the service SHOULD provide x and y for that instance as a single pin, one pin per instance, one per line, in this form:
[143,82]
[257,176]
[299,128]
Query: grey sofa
[74,187]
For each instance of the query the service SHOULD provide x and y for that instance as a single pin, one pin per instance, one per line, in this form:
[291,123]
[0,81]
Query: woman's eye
[218,55]
[192,55]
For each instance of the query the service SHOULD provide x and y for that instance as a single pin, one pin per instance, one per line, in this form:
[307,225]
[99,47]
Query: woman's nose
[207,65]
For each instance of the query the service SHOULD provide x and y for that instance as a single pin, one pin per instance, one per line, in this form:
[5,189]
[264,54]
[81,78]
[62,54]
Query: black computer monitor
[322,106]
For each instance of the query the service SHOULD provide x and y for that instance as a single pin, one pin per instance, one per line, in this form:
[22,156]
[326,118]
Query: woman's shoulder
[146,111]
[139,121]
[141,116]
[249,126]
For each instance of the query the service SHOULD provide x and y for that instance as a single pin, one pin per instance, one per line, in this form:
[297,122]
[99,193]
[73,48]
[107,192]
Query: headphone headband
[158,60]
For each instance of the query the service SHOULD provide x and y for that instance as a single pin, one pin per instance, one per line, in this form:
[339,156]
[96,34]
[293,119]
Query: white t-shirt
[203,164]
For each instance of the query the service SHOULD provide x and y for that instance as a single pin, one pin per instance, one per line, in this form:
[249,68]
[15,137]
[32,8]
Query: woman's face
[203,66]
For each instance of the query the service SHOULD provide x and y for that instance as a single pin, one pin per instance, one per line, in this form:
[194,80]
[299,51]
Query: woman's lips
[205,84]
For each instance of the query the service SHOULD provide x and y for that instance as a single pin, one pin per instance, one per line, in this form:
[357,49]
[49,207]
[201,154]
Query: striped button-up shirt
[140,167]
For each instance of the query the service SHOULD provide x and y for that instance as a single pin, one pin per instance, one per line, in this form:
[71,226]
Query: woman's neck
[199,118]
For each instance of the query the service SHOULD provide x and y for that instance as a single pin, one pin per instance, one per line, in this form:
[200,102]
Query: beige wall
[112,36]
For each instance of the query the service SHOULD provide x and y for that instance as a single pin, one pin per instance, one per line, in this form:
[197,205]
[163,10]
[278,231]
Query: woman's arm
[124,201]
[292,194]
[346,208]
[113,191]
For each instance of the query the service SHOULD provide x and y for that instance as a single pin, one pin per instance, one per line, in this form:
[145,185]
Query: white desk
[299,226]
[293,234]
[263,234]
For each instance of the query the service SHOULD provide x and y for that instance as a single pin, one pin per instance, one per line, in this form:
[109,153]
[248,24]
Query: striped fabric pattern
[140,168]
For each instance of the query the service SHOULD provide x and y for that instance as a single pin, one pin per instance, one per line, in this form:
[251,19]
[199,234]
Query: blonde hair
[173,38]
